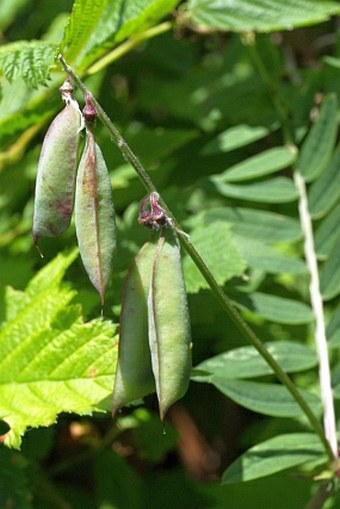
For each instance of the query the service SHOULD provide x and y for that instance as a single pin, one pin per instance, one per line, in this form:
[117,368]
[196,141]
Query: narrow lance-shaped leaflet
[54,190]
[134,378]
[94,212]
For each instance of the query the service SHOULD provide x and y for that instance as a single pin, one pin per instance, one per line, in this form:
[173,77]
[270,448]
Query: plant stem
[317,306]
[225,302]
[128,45]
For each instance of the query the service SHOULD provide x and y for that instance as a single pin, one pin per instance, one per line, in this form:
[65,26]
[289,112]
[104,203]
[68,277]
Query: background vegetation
[222,102]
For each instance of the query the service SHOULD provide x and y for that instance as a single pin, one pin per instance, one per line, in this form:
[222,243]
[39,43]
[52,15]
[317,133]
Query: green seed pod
[54,191]
[134,378]
[94,215]
[169,324]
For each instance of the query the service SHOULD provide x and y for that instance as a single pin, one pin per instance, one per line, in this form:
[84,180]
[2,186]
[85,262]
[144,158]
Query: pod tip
[36,245]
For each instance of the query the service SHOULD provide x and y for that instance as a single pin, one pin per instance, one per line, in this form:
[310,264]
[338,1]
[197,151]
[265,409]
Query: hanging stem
[224,301]
[317,306]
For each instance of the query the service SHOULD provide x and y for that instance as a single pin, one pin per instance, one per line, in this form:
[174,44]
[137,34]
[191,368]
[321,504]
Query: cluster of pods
[62,184]
[154,334]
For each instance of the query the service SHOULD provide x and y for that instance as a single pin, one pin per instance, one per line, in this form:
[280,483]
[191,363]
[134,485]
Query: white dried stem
[317,306]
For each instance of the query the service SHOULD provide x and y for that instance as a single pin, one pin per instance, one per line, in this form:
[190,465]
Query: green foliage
[216,246]
[96,27]
[244,362]
[274,455]
[317,148]
[50,359]
[28,60]
[221,122]
[262,16]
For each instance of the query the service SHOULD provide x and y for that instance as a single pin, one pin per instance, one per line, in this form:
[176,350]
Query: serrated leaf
[264,398]
[50,360]
[250,223]
[215,245]
[235,137]
[276,190]
[333,329]
[328,233]
[14,481]
[317,147]
[324,193]
[260,255]
[96,27]
[29,60]
[330,274]
[260,15]
[274,455]
[246,362]
[265,163]
[82,22]
[274,308]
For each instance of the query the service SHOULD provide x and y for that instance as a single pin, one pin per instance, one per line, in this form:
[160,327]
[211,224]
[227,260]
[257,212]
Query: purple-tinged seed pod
[94,215]
[55,183]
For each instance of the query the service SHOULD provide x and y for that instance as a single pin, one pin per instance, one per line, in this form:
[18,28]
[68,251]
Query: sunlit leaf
[235,137]
[264,398]
[246,362]
[250,223]
[265,163]
[216,246]
[276,190]
[274,455]
[260,15]
[50,360]
[261,255]
[96,27]
[274,308]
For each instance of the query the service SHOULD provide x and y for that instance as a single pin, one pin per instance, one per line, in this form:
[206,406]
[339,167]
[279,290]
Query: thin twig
[225,302]
[317,306]
[128,45]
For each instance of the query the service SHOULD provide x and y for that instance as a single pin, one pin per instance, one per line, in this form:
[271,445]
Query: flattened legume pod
[54,190]
[134,378]
[94,215]
[169,323]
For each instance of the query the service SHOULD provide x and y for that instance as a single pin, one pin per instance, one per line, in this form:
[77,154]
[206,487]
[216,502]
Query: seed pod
[169,323]
[134,378]
[54,191]
[94,215]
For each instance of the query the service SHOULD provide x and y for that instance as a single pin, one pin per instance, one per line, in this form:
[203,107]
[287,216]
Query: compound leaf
[29,60]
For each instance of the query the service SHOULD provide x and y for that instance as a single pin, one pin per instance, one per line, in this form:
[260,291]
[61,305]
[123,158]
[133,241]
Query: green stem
[128,45]
[215,288]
